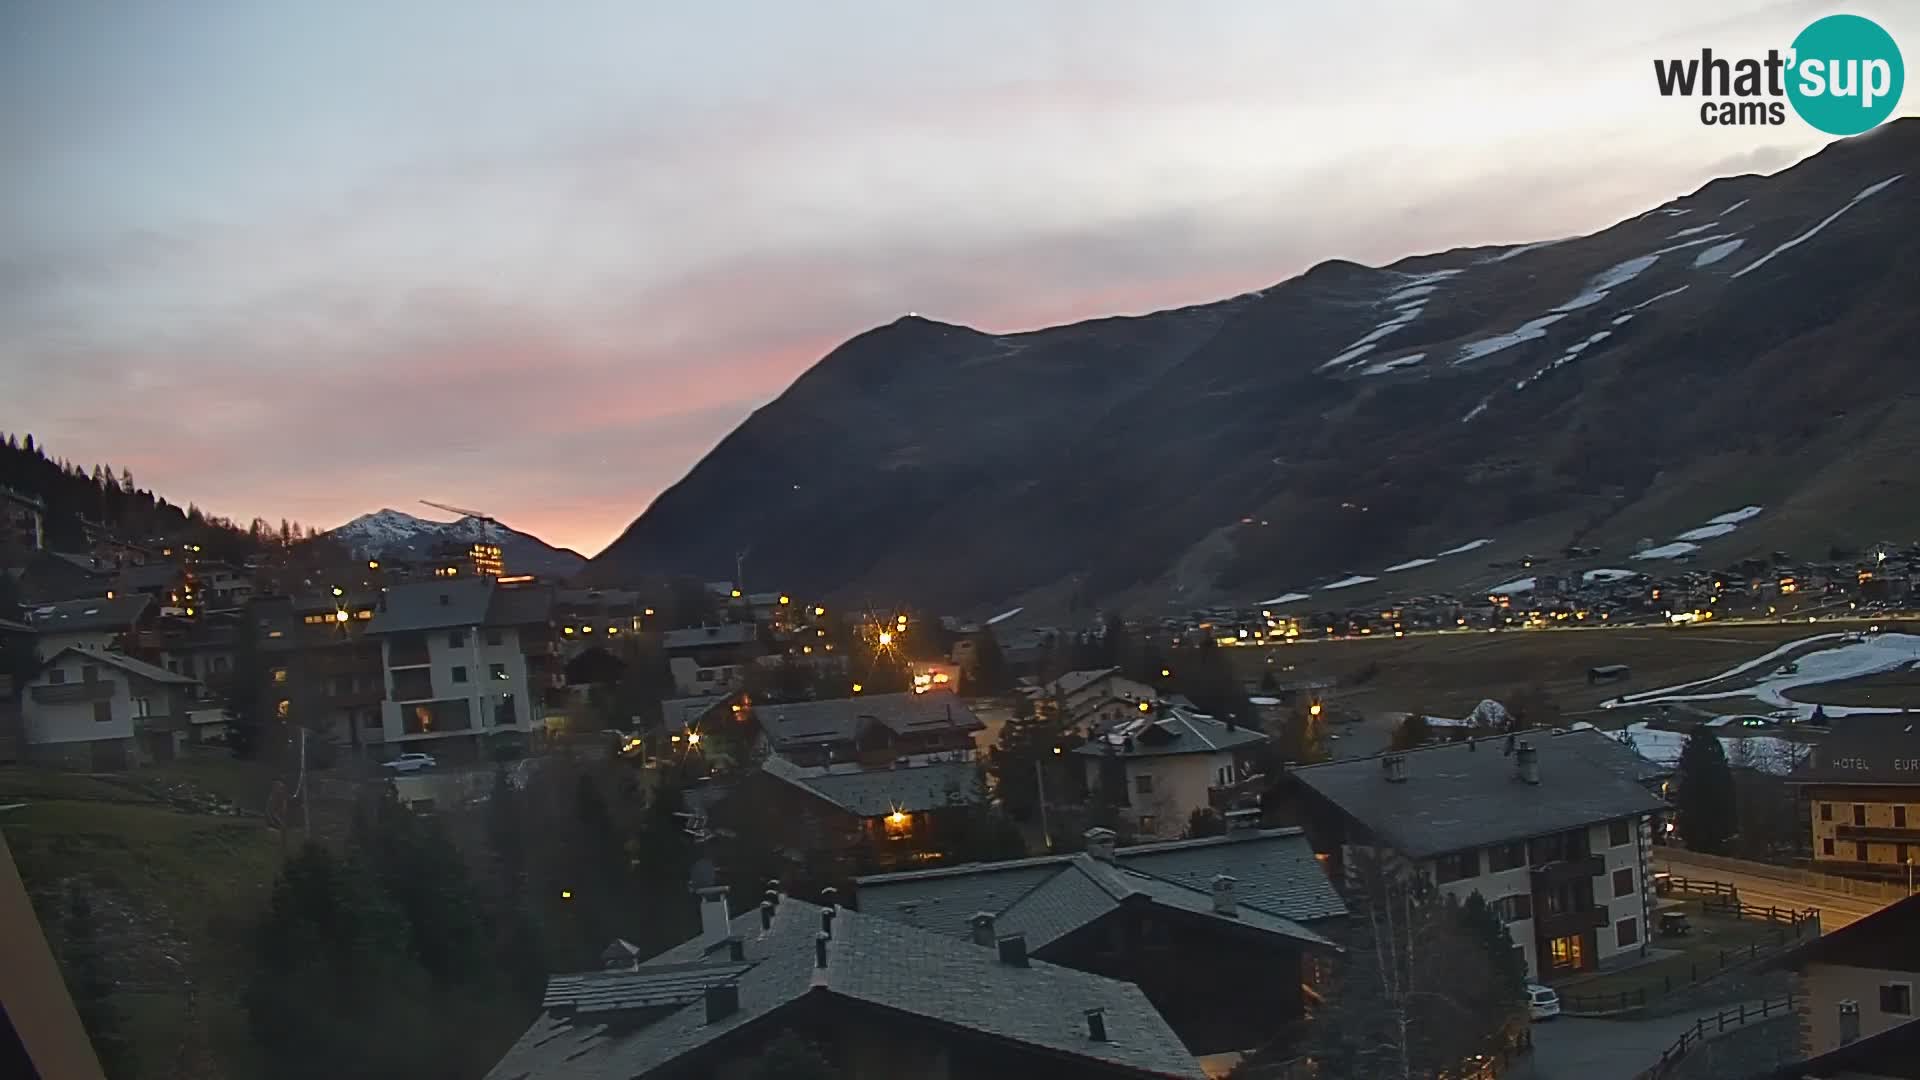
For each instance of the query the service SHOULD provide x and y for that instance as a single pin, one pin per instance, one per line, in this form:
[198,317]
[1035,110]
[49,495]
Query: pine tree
[990,677]
[1706,808]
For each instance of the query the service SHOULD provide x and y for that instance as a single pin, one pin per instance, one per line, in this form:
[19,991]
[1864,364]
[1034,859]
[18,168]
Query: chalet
[874,729]
[96,624]
[1159,767]
[1225,935]
[710,659]
[1096,697]
[99,710]
[880,999]
[323,669]
[1551,830]
[837,822]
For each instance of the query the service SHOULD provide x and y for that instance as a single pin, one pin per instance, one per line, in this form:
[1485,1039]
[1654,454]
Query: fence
[1870,890]
[1713,1025]
[1697,887]
[1790,928]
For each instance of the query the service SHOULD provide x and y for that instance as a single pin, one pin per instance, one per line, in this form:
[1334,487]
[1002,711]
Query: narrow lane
[1836,909]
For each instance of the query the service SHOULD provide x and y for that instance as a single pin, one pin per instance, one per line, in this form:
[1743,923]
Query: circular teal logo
[1847,74]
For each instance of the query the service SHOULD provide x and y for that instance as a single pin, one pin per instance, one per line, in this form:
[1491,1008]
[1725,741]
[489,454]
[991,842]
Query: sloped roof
[871,963]
[1075,681]
[695,637]
[877,792]
[808,723]
[80,616]
[1274,870]
[1467,794]
[1087,890]
[1171,730]
[1866,750]
[128,664]
[155,575]
[431,605]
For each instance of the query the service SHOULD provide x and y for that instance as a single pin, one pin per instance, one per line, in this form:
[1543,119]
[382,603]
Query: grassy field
[1889,689]
[175,895]
[1447,674]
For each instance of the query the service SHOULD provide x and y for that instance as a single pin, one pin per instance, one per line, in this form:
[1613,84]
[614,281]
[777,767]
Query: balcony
[1565,870]
[1566,923]
[1887,833]
[74,693]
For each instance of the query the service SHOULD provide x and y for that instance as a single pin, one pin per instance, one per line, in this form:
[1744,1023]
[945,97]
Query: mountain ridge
[389,532]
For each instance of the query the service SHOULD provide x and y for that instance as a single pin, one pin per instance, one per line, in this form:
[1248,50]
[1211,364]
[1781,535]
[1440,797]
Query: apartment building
[1544,825]
[457,657]
[1158,767]
[1862,792]
[711,659]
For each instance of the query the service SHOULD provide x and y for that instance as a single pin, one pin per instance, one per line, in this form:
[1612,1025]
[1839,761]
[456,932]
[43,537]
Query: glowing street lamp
[693,738]
[886,637]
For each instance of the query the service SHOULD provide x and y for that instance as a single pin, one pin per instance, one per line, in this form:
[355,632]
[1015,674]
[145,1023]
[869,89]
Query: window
[1896,998]
[496,671]
[459,673]
[1143,785]
[703,675]
[436,716]
[56,676]
[141,708]
[1619,833]
[1899,817]
[1567,953]
[1454,867]
[173,666]
[456,639]
[1826,846]
[1507,857]
[899,825]
[282,707]
[1514,908]
[1859,814]
[1146,824]
[1860,849]
[220,663]
[412,684]
[280,675]
[1623,881]
[102,712]
[1826,811]
[493,637]
[1627,932]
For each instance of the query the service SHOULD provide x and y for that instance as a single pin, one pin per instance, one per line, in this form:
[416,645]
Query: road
[1575,1048]
[1836,909]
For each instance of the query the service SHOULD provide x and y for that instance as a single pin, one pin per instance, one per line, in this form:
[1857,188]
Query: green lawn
[175,896]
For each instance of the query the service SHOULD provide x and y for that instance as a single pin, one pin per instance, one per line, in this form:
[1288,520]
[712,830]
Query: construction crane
[486,523]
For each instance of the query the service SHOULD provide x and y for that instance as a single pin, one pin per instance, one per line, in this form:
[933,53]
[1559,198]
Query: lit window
[279,675]
[899,824]
[282,707]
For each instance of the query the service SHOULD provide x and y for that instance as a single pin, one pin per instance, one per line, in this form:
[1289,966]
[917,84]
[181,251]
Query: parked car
[1542,1002]
[407,763]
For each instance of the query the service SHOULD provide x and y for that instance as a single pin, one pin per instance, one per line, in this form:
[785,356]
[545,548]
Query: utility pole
[1040,779]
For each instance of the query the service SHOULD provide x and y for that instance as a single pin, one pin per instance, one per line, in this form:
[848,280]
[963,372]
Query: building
[1096,697]
[1546,827]
[1245,920]
[1856,991]
[882,1000]
[456,664]
[838,823]
[1862,792]
[710,659]
[872,729]
[96,624]
[324,670]
[98,710]
[23,520]
[1159,767]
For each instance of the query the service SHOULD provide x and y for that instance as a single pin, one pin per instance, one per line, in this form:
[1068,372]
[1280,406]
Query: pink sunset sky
[307,260]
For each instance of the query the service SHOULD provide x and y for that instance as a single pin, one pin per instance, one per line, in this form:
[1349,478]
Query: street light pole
[1040,781]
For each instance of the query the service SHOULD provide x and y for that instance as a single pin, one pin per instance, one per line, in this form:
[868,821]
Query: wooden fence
[1870,890]
[1791,928]
[1708,1026]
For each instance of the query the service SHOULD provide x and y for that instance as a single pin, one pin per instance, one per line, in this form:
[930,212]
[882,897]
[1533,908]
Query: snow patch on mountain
[1865,193]
[1471,545]
[1349,582]
[1592,576]
[390,532]
[1707,532]
[1385,366]
[1734,517]
[1410,564]
[1668,551]
[1715,253]
[1517,585]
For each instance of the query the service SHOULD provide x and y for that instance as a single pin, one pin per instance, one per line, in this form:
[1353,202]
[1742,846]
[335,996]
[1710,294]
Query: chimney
[722,1001]
[1223,901]
[983,928]
[1097,1025]
[1394,768]
[1849,1021]
[1013,950]
[1100,843]
[1245,819]
[714,919]
[820,950]
[1526,762]
[826,921]
[766,914]
[736,950]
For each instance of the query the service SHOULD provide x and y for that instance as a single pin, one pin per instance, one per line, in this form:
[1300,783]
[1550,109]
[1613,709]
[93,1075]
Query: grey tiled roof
[808,723]
[1170,731]
[911,974]
[431,605]
[1275,874]
[1467,794]
[1075,681]
[1088,889]
[677,713]
[643,988]
[697,636]
[157,575]
[80,616]
[875,792]
[138,668]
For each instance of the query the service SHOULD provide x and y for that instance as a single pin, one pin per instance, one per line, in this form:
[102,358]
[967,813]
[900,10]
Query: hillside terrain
[1748,344]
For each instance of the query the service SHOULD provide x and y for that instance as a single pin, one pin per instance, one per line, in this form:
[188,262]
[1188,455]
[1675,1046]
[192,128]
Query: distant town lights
[341,616]
[819,611]
[886,637]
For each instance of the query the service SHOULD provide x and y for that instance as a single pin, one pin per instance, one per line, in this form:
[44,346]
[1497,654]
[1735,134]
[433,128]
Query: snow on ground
[1524,584]
[1523,249]
[1734,207]
[1592,576]
[1866,192]
[1410,564]
[1851,660]
[1622,320]
[1656,299]
[1777,757]
[1608,280]
[1695,231]
[1409,301]
[1696,242]
[1471,545]
[1357,579]
[1347,357]
[1564,359]
[1734,517]
[1285,598]
[1412,292]
[1430,276]
[1668,551]
[1475,411]
[1715,253]
[1708,532]
[1527,331]
[1385,366]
